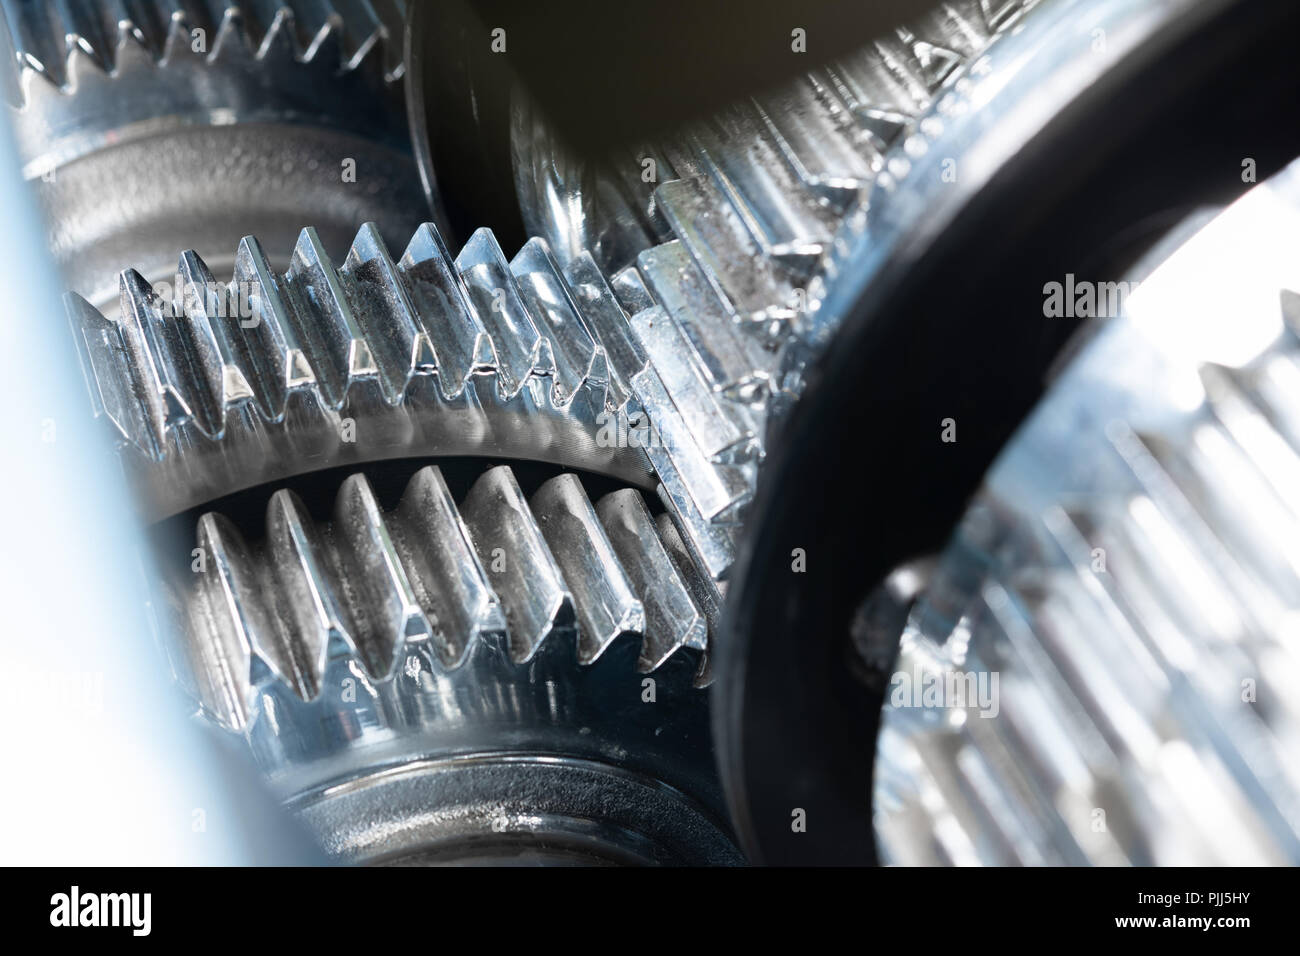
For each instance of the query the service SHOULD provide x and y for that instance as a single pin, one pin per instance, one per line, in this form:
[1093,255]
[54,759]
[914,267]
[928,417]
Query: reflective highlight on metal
[737,225]
[508,677]
[224,388]
[1127,573]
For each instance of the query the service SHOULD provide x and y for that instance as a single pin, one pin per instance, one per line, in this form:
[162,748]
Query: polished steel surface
[216,386]
[735,228]
[482,653]
[500,675]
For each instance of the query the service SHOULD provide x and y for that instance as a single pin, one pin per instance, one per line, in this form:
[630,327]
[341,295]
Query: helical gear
[560,637]
[744,220]
[212,392]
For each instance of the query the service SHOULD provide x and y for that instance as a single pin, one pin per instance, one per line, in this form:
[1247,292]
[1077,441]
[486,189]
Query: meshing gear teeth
[370,586]
[216,388]
[748,219]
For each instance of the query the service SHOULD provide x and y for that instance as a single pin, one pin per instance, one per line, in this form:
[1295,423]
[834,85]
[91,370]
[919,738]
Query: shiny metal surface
[374,359]
[185,125]
[1127,575]
[736,227]
[441,678]
[213,387]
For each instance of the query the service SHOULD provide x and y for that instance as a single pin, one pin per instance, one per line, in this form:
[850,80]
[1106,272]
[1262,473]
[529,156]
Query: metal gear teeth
[1198,592]
[744,241]
[205,399]
[57,41]
[370,586]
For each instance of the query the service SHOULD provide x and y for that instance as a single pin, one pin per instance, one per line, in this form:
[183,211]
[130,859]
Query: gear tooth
[326,48]
[277,359]
[492,290]
[84,35]
[578,358]
[142,27]
[107,367]
[448,576]
[384,312]
[392,619]
[521,568]
[630,288]
[310,604]
[178,41]
[279,43]
[324,323]
[672,619]
[39,40]
[451,326]
[154,352]
[710,229]
[134,50]
[232,43]
[243,641]
[221,652]
[688,484]
[729,357]
[623,353]
[362,39]
[711,420]
[1290,305]
[706,592]
[604,601]
[788,227]
[212,342]
[819,142]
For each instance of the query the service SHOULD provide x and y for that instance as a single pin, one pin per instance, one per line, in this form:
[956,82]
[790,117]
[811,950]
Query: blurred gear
[1129,573]
[170,124]
[942,352]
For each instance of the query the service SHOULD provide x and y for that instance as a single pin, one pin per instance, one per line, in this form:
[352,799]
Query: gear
[494,652]
[173,124]
[1131,579]
[739,224]
[213,392]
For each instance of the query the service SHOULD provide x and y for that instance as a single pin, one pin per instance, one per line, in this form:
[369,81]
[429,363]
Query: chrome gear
[745,219]
[534,661]
[425,355]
